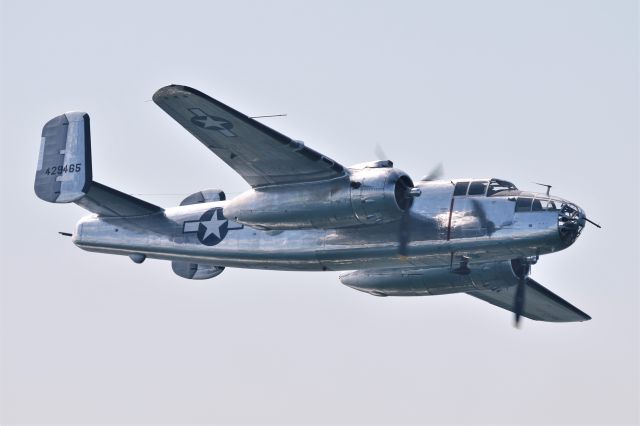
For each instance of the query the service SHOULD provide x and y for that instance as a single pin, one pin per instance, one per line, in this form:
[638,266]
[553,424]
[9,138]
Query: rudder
[64,172]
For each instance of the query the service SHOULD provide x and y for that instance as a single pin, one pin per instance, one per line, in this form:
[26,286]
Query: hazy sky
[527,91]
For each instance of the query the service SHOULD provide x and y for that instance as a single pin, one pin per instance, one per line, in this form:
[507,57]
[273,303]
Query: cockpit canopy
[525,201]
[486,187]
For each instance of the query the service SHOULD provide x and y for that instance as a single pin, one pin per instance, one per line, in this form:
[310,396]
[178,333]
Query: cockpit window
[478,187]
[523,204]
[498,185]
[461,188]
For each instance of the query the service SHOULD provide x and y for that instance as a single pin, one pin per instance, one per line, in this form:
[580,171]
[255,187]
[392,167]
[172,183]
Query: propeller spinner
[404,230]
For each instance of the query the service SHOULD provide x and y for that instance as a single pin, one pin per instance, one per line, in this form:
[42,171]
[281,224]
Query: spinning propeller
[404,230]
[522,268]
[405,194]
[435,173]
[479,212]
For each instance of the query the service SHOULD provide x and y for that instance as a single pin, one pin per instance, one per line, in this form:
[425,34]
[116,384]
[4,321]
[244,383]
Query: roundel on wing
[211,122]
[213,227]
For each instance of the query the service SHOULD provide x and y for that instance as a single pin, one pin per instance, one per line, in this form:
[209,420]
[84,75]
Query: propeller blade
[435,173]
[404,227]
[481,214]
[404,233]
[518,303]
[379,152]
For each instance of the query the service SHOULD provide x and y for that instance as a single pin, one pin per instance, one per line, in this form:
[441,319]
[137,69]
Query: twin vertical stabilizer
[64,172]
[64,165]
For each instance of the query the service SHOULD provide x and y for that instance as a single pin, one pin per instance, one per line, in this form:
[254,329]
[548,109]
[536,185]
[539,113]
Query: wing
[258,153]
[540,304]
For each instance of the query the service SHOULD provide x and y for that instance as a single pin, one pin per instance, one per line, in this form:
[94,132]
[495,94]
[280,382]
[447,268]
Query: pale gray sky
[527,91]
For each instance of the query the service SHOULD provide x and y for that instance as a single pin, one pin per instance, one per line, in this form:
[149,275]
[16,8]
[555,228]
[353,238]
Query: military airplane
[307,212]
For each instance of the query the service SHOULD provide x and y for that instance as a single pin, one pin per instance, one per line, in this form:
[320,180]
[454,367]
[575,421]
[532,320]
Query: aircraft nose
[571,221]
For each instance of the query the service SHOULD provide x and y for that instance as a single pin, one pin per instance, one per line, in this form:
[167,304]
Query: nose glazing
[571,221]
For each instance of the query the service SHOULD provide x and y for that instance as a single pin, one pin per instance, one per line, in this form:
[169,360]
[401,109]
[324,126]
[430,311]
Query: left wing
[540,304]
[261,155]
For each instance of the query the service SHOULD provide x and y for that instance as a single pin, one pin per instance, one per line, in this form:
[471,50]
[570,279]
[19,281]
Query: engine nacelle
[204,196]
[195,271]
[434,281]
[365,196]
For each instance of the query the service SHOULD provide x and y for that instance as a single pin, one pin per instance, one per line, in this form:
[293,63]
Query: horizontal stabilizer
[105,201]
[540,303]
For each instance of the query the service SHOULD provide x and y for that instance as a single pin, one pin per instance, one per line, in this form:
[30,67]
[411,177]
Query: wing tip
[579,317]
[586,317]
[171,90]
[177,90]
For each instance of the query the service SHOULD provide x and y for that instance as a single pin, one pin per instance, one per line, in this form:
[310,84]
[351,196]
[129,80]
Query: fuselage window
[523,204]
[477,187]
[461,188]
[545,205]
[537,205]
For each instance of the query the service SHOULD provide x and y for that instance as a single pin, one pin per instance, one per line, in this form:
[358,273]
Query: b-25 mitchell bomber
[307,212]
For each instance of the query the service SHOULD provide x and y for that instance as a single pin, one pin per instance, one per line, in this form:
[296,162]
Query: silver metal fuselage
[443,227]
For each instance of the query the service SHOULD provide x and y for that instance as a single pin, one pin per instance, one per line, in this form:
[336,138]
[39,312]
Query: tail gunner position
[306,212]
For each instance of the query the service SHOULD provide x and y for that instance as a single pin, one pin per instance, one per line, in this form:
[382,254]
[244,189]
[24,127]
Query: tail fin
[64,172]
[64,166]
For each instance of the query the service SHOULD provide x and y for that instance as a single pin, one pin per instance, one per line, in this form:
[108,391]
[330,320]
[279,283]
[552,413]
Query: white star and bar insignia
[202,119]
[211,228]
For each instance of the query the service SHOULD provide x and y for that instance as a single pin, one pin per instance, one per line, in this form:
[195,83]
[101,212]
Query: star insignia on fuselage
[211,228]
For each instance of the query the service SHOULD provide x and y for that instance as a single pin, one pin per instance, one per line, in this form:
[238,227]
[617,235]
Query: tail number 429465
[67,168]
